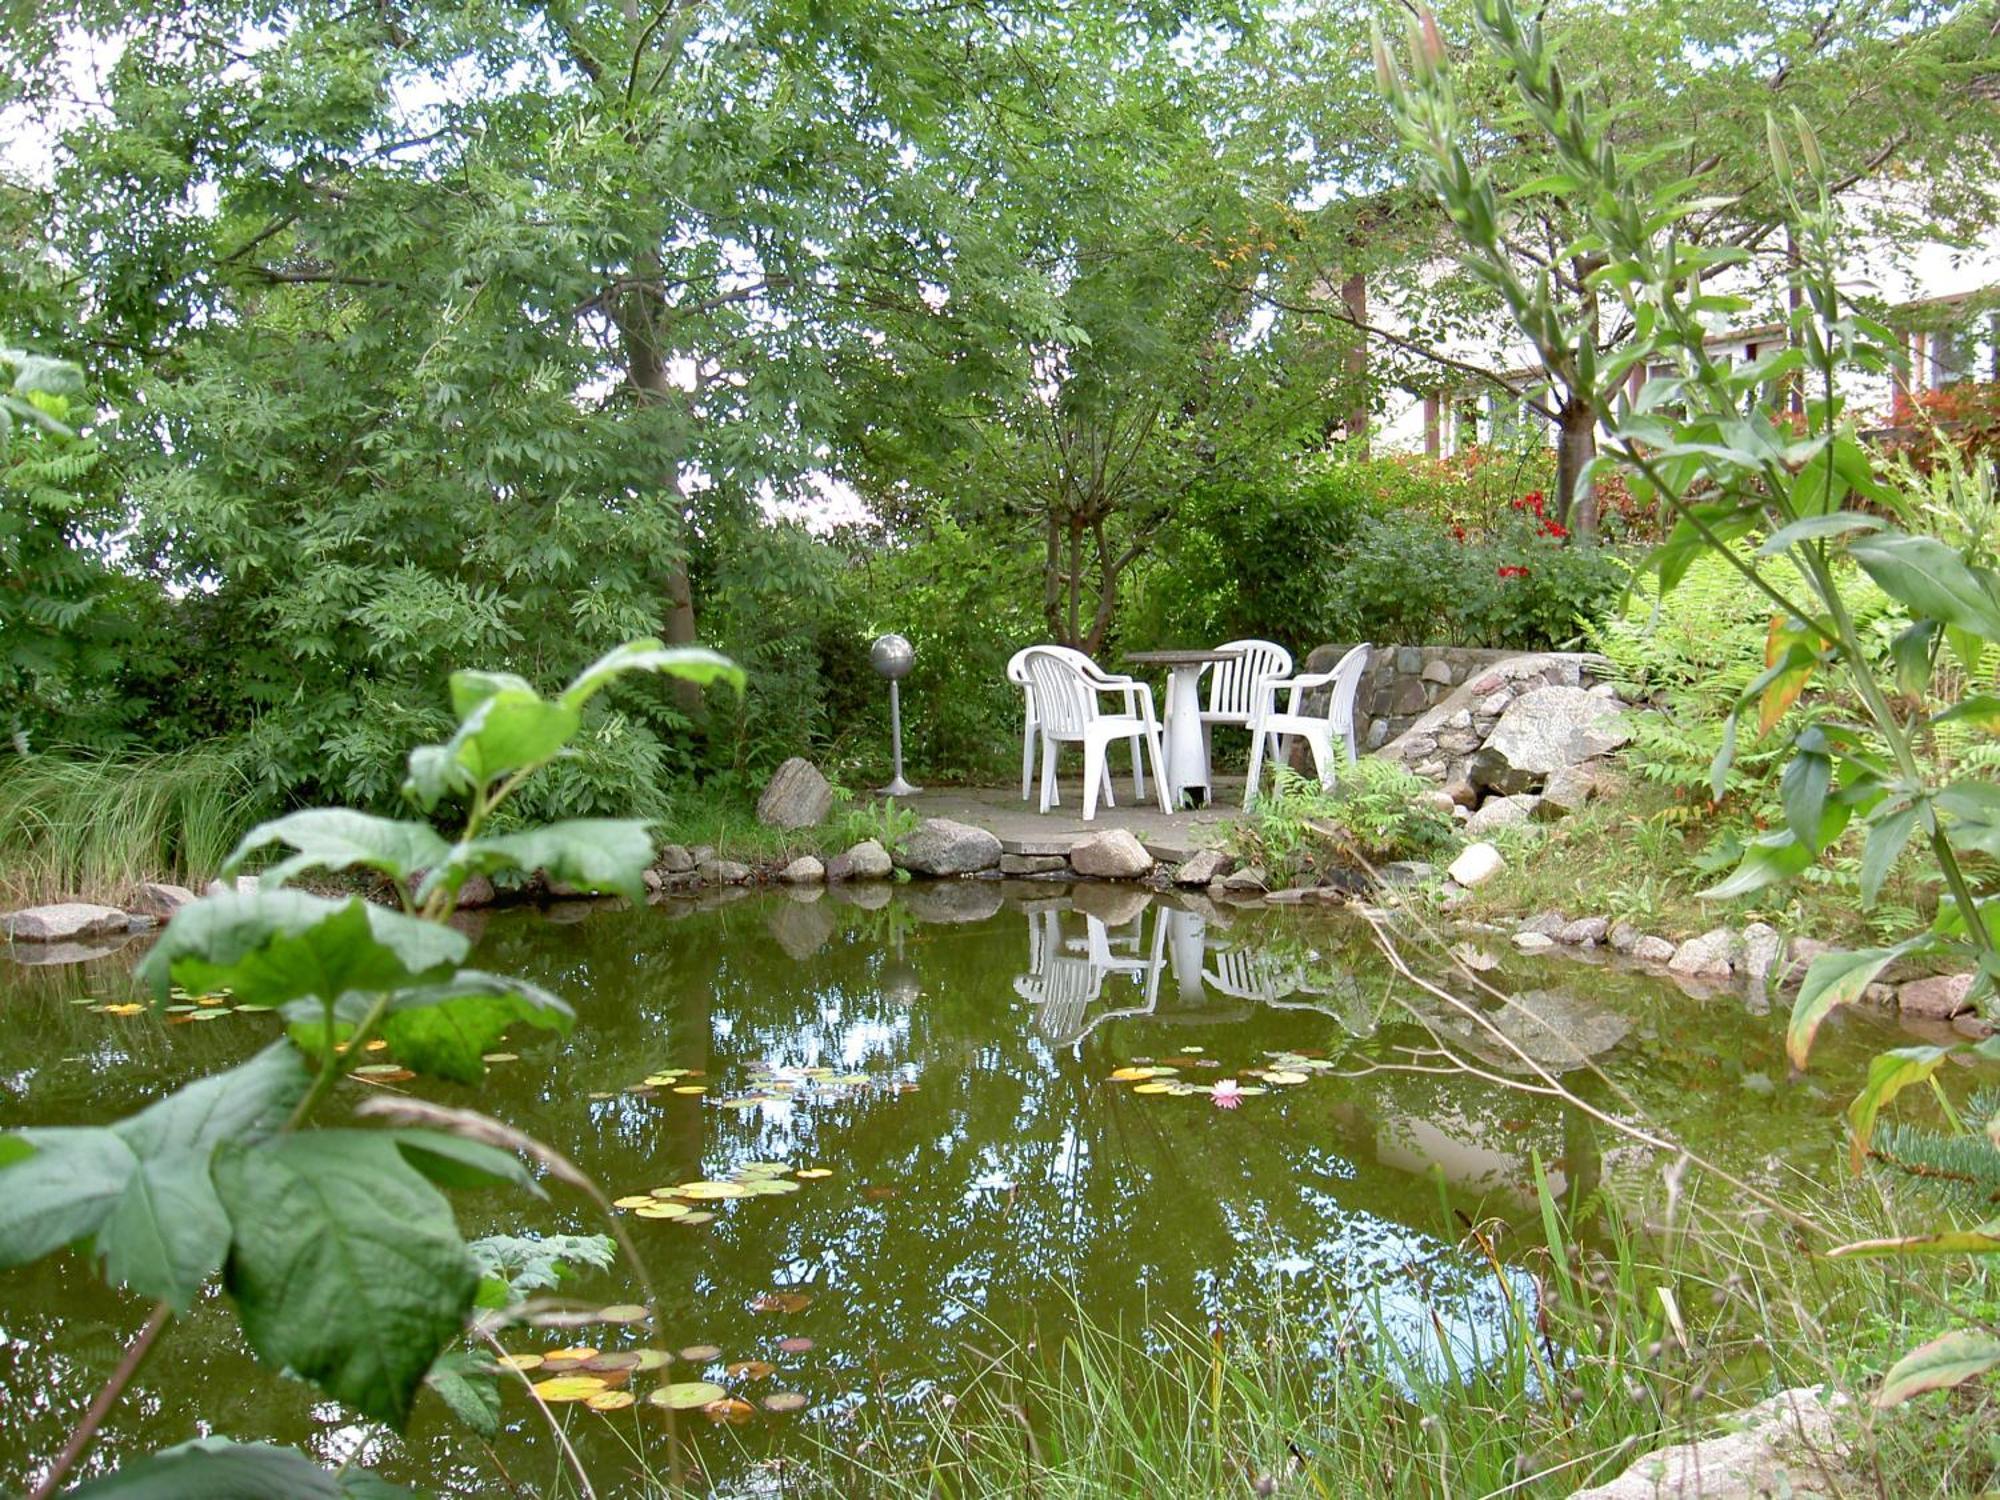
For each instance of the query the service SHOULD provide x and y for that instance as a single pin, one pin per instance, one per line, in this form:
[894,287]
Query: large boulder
[1788,1445]
[65,922]
[941,846]
[1476,864]
[1203,867]
[796,796]
[1543,732]
[1713,955]
[1115,854]
[159,900]
[1502,812]
[1937,998]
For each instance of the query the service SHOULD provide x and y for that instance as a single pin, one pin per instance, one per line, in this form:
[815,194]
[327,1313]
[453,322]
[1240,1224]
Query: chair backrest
[1340,692]
[1232,684]
[1064,699]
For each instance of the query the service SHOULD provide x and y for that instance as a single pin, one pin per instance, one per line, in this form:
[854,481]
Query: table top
[1189,658]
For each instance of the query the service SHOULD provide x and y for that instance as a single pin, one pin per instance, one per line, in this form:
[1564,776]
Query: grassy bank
[93,829]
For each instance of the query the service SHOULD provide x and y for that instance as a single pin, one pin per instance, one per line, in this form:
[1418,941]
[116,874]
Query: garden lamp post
[893,656]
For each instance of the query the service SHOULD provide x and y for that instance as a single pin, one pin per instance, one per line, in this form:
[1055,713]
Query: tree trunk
[1354,296]
[1576,446]
[648,374]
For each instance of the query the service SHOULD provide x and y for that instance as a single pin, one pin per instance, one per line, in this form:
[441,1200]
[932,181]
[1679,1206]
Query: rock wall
[1404,683]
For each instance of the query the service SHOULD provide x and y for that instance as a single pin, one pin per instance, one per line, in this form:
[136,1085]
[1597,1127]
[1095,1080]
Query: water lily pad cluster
[601,1379]
[767,1084]
[1164,1080]
[688,1202]
[182,1008]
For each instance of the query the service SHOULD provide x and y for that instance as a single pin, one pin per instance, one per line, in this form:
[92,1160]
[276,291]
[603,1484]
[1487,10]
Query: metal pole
[897,786]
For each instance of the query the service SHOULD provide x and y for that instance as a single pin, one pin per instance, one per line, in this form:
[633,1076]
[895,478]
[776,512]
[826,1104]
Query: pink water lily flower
[1225,1094]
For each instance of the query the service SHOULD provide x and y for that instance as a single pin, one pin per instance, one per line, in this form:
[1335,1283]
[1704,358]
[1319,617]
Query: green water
[987,1176]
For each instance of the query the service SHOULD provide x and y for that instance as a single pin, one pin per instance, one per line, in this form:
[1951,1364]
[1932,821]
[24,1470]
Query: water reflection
[950,1048]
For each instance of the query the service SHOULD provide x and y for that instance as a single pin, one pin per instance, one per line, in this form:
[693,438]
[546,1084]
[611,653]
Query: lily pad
[623,1312]
[574,1351]
[622,1359]
[770,1187]
[500,1057]
[1284,1076]
[706,1190]
[652,1359]
[699,1216]
[519,1361]
[781,1302]
[700,1354]
[784,1401]
[691,1088]
[656,1210]
[732,1409]
[633,1200]
[569,1387]
[610,1400]
[795,1345]
[1154,1088]
[751,1369]
[812,1174]
[687,1395]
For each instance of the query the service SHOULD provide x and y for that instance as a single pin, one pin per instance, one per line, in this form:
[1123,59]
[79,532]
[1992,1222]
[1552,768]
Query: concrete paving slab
[1171,837]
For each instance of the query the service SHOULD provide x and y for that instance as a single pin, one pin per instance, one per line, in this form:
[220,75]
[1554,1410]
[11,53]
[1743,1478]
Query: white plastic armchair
[1235,686]
[1318,730]
[1066,712]
[1131,688]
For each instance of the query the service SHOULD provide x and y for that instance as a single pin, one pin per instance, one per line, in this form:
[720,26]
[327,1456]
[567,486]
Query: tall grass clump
[93,828]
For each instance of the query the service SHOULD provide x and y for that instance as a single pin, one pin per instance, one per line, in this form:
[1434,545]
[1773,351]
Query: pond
[941,1060]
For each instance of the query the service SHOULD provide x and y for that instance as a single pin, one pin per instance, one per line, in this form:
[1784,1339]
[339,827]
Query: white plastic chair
[1317,730]
[1233,686]
[1017,673]
[1066,712]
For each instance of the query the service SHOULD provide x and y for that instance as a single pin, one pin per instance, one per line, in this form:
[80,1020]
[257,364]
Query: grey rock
[1032,864]
[941,846]
[1502,812]
[796,796]
[701,852]
[64,922]
[1762,945]
[137,922]
[1713,955]
[654,881]
[1653,950]
[158,899]
[1567,790]
[1533,942]
[1884,995]
[1461,791]
[1204,867]
[1788,1445]
[1548,923]
[1475,864]
[1250,878]
[477,892]
[1290,896]
[1115,854]
[1543,731]
[722,872]
[805,870]
[947,902]
[1438,672]
[1378,734]
[867,860]
[675,859]
[1585,932]
[1406,872]
[1623,937]
[1937,998]
[1976,1027]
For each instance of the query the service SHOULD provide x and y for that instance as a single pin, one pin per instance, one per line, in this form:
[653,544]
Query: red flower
[1554,528]
[1458,533]
[1515,571]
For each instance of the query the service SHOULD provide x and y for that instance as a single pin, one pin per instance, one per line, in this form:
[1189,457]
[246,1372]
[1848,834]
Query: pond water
[944,1055]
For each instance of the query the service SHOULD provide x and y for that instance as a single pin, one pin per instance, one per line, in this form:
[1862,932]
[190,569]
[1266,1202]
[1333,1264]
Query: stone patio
[1022,830]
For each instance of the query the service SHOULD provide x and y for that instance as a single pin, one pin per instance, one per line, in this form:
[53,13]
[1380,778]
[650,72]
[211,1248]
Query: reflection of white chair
[1235,686]
[1065,979]
[1017,673]
[1252,974]
[1317,730]
[1066,711]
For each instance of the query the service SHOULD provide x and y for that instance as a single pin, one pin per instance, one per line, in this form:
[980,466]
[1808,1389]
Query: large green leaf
[1932,579]
[1889,1073]
[586,854]
[215,1468]
[446,1028]
[454,1162]
[346,1265]
[338,838]
[1887,835]
[691,663]
[274,946]
[1939,1365]
[1975,812]
[141,1186]
[505,726]
[464,1381]
[1818,529]
[1834,980]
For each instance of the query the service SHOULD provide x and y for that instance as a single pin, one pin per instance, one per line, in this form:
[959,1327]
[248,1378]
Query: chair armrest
[1296,688]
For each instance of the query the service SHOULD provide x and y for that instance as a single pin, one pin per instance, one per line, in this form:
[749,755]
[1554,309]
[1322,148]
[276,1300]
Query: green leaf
[1889,1073]
[1818,529]
[1910,652]
[346,1265]
[167,1233]
[454,1162]
[337,838]
[63,1191]
[690,663]
[1803,790]
[464,1381]
[1779,855]
[1975,812]
[274,946]
[215,1468]
[245,1103]
[1939,1365]
[1932,579]
[513,728]
[444,1029]
[470,688]
[1834,980]
[587,854]
[1982,710]
[1886,837]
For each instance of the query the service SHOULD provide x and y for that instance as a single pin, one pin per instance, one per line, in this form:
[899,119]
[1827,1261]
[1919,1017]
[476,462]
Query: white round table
[1186,747]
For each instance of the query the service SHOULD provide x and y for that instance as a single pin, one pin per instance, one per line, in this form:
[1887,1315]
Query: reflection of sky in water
[1013,1184]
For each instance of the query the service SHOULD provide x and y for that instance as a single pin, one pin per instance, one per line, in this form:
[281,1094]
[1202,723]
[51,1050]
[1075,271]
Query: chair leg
[1028,728]
[1138,767]
[1256,768]
[1094,778]
[1048,772]
[1321,746]
[1159,755]
[1109,799]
